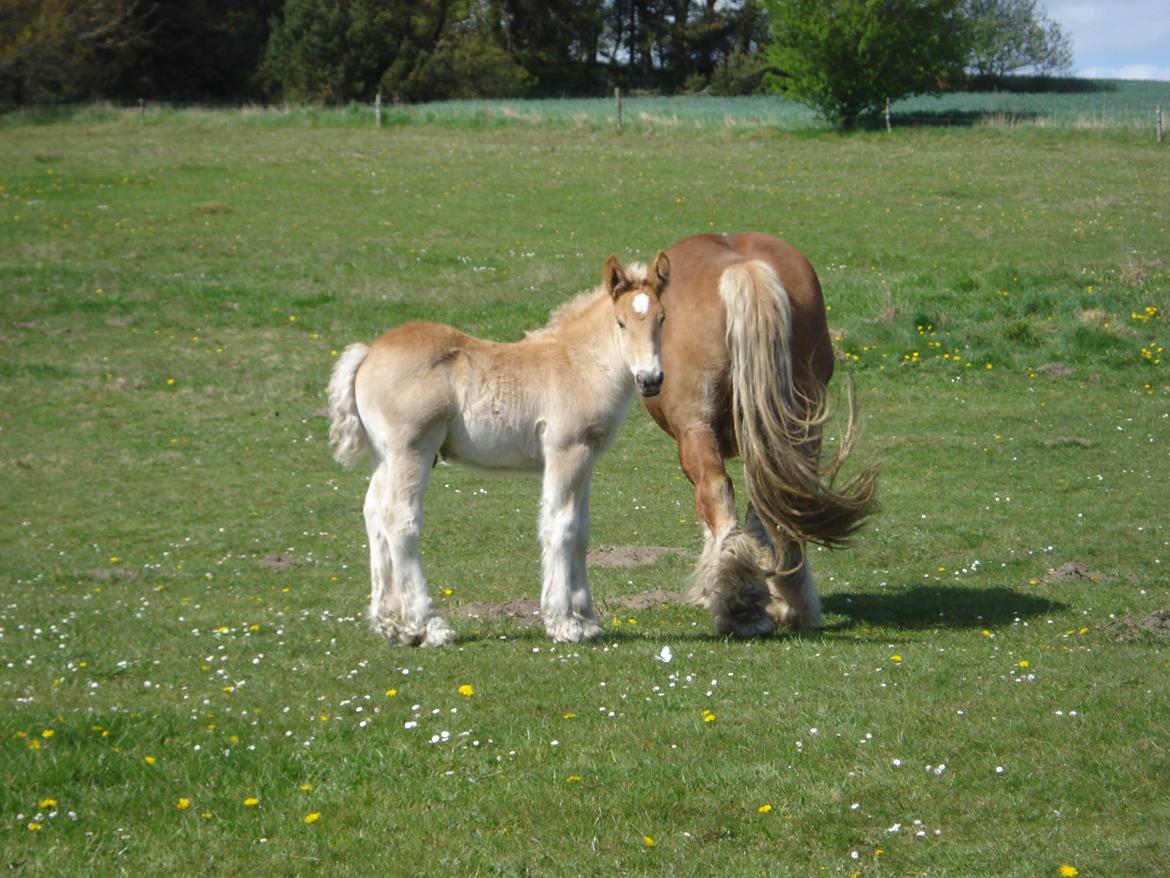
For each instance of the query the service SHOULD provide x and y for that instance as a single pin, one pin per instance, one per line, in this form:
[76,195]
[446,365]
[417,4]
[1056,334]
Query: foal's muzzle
[648,383]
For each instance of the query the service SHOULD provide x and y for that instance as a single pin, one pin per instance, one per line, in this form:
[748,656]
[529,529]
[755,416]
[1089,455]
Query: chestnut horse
[747,357]
[551,402]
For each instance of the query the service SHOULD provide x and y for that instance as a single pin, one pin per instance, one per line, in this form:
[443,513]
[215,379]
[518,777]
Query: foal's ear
[659,274]
[613,277]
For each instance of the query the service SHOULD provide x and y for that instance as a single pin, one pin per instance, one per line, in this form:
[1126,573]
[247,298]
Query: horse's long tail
[346,433]
[778,424]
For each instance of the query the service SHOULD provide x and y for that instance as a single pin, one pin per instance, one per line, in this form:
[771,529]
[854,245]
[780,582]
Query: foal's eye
[621,324]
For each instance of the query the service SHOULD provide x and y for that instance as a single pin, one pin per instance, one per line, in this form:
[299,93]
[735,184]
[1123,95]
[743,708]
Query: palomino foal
[552,402]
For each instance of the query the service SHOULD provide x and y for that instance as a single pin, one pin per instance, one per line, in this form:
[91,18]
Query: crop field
[187,681]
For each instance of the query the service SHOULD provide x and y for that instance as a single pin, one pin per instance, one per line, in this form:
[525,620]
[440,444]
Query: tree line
[826,53]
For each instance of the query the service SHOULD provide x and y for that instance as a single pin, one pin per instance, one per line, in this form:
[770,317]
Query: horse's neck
[590,339]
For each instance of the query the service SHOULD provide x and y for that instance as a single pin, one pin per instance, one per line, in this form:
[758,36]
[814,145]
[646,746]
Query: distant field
[186,680]
[1105,105]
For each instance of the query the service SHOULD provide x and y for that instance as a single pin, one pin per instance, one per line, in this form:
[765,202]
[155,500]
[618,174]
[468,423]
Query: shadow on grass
[937,606]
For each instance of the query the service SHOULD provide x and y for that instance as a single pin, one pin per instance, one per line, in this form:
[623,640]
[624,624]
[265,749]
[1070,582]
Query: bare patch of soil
[277,563]
[644,600]
[1056,370]
[628,556]
[1156,624]
[1073,571]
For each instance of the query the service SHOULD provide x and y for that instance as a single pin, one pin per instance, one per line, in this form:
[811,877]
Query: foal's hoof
[436,632]
[572,630]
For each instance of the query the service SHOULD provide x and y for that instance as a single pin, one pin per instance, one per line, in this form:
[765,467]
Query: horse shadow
[917,607]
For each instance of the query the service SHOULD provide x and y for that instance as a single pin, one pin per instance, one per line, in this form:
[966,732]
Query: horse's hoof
[573,630]
[438,633]
[760,625]
[786,615]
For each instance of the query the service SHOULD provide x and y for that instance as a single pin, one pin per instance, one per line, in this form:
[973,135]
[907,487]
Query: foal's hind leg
[794,601]
[401,608]
[730,579]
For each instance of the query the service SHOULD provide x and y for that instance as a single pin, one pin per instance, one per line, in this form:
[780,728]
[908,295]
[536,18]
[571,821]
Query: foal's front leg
[565,602]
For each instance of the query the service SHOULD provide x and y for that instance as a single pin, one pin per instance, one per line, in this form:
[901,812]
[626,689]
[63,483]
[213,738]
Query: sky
[1125,39]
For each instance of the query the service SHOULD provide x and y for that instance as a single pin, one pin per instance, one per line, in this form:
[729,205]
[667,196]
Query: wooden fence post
[617,96]
[1161,126]
[141,111]
[889,127]
[378,109]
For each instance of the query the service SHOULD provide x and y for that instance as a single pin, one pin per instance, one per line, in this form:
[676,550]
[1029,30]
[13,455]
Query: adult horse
[551,402]
[747,358]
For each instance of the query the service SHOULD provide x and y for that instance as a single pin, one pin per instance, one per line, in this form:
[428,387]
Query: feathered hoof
[574,629]
[745,625]
[436,632]
[788,616]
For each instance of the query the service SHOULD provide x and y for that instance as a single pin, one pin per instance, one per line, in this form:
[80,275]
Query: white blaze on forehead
[641,304]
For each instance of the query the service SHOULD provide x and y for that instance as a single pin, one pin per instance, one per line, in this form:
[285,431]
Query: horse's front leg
[565,602]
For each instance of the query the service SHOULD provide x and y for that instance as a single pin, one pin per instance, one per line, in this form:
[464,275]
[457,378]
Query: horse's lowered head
[637,307]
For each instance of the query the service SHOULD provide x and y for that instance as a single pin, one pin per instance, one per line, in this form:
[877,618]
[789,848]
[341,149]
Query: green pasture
[187,682]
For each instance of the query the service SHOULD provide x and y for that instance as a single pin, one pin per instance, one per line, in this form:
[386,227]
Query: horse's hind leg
[730,579]
[401,608]
[794,601]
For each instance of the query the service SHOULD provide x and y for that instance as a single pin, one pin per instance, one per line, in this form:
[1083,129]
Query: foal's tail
[778,424]
[346,433]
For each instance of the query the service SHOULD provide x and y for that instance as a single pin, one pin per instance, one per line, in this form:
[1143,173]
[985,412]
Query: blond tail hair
[778,425]
[346,433]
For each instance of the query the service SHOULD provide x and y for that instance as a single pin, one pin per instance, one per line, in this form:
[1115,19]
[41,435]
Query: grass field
[188,685]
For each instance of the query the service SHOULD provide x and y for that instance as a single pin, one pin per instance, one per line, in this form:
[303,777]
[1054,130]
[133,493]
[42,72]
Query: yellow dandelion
[708,717]
[1069,871]
[34,744]
[648,841]
[251,802]
[1024,663]
[390,693]
[764,809]
[149,760]
[466,690]
[48,803]
[183,804]
[312,817]
[47,733]
[573,778]
[35,827]
[896,659]
[306,787]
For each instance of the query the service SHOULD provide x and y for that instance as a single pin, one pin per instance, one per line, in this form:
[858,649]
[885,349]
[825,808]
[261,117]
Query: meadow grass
[188,680]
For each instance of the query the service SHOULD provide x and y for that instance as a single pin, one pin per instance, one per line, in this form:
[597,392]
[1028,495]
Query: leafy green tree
[55,51]
[845,58]
[1008,36]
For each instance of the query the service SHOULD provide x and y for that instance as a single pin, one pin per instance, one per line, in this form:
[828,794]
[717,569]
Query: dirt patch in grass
[1156,624]
[1073,571]
[628,556]
[277,563]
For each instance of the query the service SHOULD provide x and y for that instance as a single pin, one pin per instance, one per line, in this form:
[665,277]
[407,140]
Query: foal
[551,402]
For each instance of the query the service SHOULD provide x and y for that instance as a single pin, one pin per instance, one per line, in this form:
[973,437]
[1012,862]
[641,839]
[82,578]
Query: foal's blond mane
[580,303]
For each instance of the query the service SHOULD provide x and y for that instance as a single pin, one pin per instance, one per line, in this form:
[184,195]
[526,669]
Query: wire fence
[1120,106]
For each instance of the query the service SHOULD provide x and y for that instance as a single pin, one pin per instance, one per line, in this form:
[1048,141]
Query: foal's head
[638,309]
